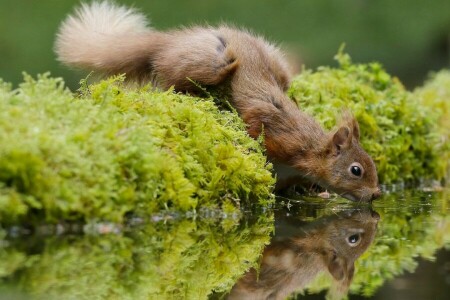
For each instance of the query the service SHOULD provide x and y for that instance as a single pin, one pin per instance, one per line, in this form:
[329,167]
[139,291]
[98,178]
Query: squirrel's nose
[376,194]
[375,215]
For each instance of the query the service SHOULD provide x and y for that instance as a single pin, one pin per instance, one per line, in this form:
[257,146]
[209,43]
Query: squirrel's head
[349,170]
[349,234]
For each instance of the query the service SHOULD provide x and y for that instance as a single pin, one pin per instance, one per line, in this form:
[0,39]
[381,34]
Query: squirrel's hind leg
[198,54]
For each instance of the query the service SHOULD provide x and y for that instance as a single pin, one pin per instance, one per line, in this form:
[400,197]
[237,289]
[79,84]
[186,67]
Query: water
[311,248]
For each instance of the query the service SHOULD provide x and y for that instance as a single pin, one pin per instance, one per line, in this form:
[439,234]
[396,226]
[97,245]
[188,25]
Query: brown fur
[295,258]
[253,71]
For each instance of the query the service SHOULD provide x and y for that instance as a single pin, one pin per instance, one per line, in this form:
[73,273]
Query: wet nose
[377,194]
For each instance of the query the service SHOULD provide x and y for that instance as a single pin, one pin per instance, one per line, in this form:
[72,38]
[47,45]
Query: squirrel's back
[113,39]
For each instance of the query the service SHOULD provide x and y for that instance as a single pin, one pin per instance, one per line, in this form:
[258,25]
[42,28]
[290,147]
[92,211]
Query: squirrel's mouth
[349,197]
[354,198]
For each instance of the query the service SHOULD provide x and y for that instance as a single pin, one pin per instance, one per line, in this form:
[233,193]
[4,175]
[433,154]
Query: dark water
[397,248]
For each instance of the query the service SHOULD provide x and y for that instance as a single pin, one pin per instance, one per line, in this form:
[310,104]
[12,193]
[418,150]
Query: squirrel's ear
[340,269]
[336,266]
[349,120]
[355,128]
[336,269]
[342,138]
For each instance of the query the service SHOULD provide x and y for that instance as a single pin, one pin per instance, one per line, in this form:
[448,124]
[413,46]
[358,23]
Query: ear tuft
[336,268]
[355,128]
[342,138]
[349,120]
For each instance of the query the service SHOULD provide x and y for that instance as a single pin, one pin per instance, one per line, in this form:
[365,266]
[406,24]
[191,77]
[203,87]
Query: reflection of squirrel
[113,39]
[295,257]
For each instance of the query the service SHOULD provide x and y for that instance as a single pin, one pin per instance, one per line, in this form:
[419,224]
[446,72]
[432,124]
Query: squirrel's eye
[356,169]
[353,239]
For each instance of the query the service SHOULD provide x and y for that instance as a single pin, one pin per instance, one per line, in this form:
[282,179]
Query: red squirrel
[114,39]
[300,251]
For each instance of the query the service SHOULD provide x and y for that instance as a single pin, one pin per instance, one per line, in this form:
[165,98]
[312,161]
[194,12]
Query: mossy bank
[109,151]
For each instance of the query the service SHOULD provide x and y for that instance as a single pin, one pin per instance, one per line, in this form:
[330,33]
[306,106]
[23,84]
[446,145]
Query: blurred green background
[410,37]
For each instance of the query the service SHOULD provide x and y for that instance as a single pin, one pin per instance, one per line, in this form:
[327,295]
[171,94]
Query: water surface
[303,248]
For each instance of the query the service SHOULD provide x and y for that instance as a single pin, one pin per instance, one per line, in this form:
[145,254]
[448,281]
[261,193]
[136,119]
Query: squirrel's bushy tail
[106,37]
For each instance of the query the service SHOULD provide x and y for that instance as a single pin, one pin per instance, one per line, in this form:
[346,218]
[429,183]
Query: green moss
[435,95]
[175,259]
[399,129]
[111,151]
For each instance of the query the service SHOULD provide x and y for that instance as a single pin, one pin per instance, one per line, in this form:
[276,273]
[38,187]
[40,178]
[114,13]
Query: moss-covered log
[110,151]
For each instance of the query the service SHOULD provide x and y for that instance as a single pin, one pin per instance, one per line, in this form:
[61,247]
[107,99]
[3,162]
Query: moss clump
[112,151]
[435,96]
[399,129]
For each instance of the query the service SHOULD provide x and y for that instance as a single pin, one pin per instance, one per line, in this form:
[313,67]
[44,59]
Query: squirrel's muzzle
[376,194]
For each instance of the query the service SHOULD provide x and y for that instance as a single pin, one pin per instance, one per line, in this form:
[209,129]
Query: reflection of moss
[419,227]
[112,151]
[411,226]
[175,260]
[398,128]
[10,259]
